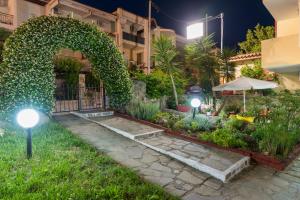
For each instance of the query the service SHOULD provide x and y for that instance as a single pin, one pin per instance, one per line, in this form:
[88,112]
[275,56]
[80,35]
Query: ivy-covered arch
[27,73]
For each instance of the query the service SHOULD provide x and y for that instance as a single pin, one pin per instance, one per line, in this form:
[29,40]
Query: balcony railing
[6,18]
[133,38]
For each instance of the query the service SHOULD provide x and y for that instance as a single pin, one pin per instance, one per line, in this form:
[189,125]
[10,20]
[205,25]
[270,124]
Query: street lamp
[195,103]
[196,30]
[27,119]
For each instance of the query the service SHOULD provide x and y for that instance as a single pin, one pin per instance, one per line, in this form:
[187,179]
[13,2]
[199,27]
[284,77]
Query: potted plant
[209,111]
[184,105]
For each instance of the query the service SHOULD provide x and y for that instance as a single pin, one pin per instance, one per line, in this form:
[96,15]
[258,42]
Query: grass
[64,167]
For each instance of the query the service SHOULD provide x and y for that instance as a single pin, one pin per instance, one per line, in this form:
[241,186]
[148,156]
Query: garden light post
[27,119]
[196,30]
[195,103]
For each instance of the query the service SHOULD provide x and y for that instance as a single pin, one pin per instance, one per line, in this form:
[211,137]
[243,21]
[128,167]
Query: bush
[275,140]
[166,119]
[200,123]
[277,132]
[233,124]
[159,84]
[68,69]
[224,138]
[142,110]
[232,108]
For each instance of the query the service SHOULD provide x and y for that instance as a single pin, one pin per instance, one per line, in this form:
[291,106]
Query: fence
[6,18]
[79,99]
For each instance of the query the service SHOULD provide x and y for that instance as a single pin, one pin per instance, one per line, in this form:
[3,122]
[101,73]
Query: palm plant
[201,55]
[227,68]
[164,55]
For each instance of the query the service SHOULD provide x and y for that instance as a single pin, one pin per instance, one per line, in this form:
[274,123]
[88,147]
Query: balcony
[281,54]
[6,19]
[133,38]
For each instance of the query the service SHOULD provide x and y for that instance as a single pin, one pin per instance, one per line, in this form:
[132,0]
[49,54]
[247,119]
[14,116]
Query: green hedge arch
[27,72]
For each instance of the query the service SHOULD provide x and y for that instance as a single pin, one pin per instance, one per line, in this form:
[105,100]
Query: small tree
[254,38]
[201,56]
[256,71]
[227,68]
[164,55]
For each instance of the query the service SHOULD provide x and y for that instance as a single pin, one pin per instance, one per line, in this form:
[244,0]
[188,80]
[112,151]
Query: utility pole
[222,31]
[149,37]
[206,25]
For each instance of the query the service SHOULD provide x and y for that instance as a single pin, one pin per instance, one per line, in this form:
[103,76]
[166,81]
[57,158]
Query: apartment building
[282,53]
[129,31]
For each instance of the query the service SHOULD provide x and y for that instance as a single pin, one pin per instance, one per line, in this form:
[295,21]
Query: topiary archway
[27,73]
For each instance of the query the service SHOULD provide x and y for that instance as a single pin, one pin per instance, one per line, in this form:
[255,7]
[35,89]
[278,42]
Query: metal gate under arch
[68,99]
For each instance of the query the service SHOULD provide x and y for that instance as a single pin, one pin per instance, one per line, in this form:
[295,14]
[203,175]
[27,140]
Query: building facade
[282,53]
[129,31]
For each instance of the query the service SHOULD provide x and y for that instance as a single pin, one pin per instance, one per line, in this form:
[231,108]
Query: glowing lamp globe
[28,118]
[195,31]
[195,103]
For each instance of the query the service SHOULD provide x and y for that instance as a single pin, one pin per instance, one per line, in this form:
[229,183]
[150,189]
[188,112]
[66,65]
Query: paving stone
[159,167]
[148,158]
[207,191]
[164,159]
[177,152]
[174,190]
[195,196]
[175,165]
[134,152]
[187,187]
[189,178]
[213,183]
[159,180]
[151,152]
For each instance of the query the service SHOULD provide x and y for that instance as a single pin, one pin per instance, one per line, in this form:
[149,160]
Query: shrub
[68,69]
[232,108]
[274,139]
[233,124]
[224,138]
[277,132]
[142,110]
[166,119]
[159,84]
[200,123]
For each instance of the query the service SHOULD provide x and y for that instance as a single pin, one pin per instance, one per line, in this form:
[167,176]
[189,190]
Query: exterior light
[27,119]
[195,30]
[195,103]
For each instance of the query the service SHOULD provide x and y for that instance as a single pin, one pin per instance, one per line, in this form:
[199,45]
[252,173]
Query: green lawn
[64,167]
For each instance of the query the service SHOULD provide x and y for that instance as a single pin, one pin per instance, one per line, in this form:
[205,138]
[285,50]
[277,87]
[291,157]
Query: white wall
[288,27]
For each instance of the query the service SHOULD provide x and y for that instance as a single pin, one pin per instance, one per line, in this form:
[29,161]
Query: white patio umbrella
[245,83]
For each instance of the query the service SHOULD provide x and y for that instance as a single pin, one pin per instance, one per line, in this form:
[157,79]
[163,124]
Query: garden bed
[256,156]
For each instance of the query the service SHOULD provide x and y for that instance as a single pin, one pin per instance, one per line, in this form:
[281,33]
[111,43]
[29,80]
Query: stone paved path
[220,160]
[257,183]
[217,163]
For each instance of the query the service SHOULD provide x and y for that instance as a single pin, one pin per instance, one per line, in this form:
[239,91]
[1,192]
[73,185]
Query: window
[139,58]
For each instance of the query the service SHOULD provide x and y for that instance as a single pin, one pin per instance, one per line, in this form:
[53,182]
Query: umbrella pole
[244,94]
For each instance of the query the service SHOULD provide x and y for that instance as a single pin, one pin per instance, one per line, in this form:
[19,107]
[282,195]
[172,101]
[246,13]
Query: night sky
[240,15]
